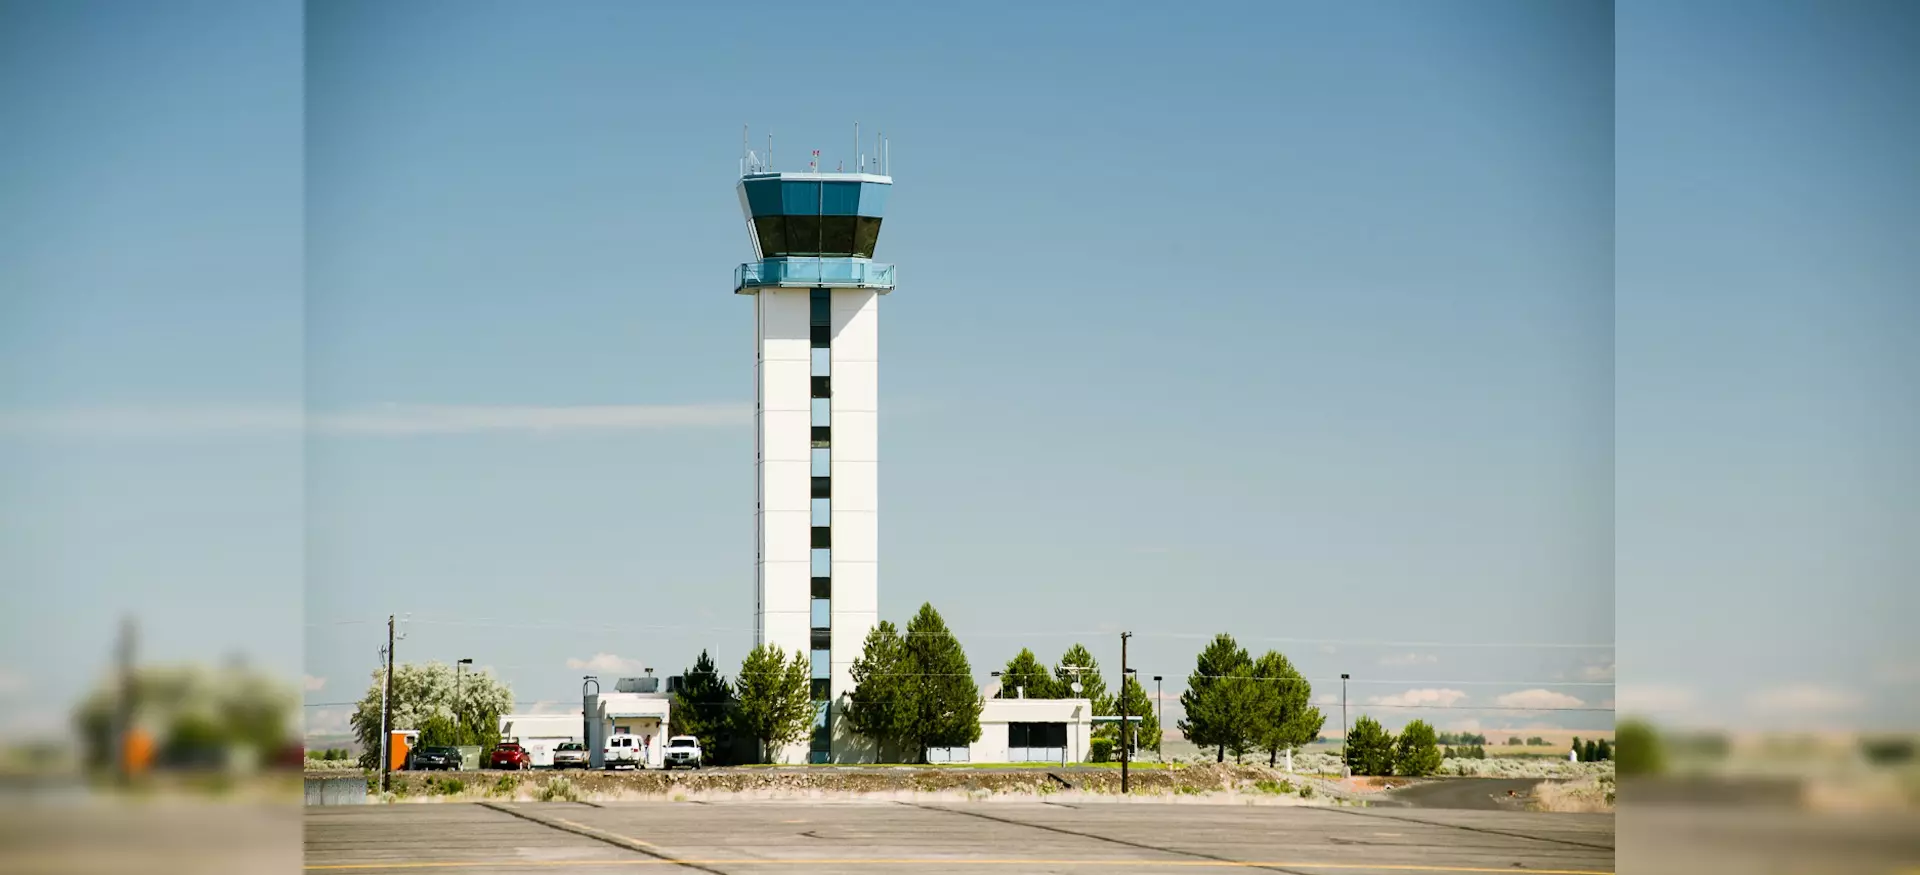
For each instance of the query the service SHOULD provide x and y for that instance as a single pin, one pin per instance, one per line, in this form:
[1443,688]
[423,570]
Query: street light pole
[459,722]
[1160,718]
[1125,755]
[1346,762]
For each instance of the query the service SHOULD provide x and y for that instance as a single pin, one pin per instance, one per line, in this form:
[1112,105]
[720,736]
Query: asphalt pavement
[822,837]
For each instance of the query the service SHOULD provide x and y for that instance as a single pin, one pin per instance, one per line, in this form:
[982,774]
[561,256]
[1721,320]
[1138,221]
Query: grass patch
[445,786]
[1272,787]
[505,786]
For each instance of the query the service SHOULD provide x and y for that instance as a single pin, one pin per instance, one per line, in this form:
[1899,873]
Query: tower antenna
[859,160]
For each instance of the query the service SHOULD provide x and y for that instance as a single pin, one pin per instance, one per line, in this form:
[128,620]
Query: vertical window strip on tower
[820,329]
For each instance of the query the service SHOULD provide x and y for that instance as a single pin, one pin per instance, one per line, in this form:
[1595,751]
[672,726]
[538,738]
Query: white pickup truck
[683,750]
[625,750]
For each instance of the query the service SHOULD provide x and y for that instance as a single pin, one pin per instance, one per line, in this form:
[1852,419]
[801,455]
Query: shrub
[559,789]
[505,786]
[1370,747]
[1102,749]
[446,786]
[1277,788]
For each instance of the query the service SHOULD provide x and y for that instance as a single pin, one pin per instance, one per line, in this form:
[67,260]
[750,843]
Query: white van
[625,750]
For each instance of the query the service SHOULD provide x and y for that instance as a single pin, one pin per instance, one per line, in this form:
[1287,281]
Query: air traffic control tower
[816,300]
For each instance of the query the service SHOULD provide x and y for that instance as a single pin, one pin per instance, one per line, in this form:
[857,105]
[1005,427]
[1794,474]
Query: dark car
[510,755]
[436,758]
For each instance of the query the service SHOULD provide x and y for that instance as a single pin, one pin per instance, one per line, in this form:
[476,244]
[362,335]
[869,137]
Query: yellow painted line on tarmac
[595,829]
[935,861]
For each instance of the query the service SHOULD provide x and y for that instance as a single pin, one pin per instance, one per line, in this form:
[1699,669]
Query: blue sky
[1296,321]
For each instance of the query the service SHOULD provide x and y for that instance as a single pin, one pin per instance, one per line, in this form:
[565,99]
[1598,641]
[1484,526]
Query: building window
[822,413]
[822,563]
[822,640]
[1036,742]
[822,512]
[822,665]
[820,307]
[822,462]
[822,387]
[822,538]
[823,587]
[822,689]
[822,612]
[822,336]
[822,362]
[822,437]
[822,487]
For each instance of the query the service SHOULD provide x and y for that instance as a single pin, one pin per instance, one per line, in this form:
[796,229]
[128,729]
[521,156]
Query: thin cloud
[1654,698]
[1598,672]
[313,684]
[607,663]
[1423,697]
[1406,659]
[386,420]
[12,682]
[549,706]
[1538,699]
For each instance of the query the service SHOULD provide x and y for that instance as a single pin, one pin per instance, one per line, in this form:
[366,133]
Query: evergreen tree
[1590,753]
[1579,753]
[1286,717]
[1514,741]
[1093,687]
[703,707]
[1414,753]
[1134,697]
[1025,675]
[1369,749]
[1605,752]
[1221,708]
[1638,750]
[776,699]
[882,693]
[945,703]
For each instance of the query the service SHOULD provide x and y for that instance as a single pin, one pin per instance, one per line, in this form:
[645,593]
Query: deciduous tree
[776,702]
[420,692]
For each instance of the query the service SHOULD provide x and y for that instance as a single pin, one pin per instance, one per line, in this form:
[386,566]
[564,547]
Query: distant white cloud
[548,706]
[1328,648]
[1538,699]
[1429,697]
[1468,724]
[1409,659]
[1597,672]
[1326,699]
[386,420]
[329,721]
[1653,699]
[1804,699]
[313,684]
[607,663]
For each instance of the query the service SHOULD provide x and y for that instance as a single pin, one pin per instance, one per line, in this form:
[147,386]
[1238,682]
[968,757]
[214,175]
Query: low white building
[637,708]
[1027,731]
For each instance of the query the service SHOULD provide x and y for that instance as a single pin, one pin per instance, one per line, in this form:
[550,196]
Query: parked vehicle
[435,759]
[683,750]
[570,755]
[510,755]
[625,750]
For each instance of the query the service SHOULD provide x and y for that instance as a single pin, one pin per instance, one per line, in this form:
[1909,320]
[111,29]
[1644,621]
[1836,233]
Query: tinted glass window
[866,236]
[836,235]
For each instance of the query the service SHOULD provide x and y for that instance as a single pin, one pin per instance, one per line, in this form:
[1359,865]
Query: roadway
[820,837]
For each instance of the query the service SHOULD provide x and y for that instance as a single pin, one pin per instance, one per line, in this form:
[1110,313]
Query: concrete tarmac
[826,837]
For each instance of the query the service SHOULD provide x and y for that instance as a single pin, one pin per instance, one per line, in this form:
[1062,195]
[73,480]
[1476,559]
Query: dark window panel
[822,689]
[836,235]
[823,587]
[820,307]
[803,235]
[866,236]
[822,487]
[822,336]
[772,231]
[822,538]
[822,436]
[822,387]
[822,638]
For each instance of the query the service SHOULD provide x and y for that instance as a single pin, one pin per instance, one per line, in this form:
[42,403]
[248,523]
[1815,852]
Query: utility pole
[1346,762]
[386,715]
[1125,755]
[123,712]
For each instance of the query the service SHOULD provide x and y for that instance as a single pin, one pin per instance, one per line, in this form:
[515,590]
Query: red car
[509,756]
